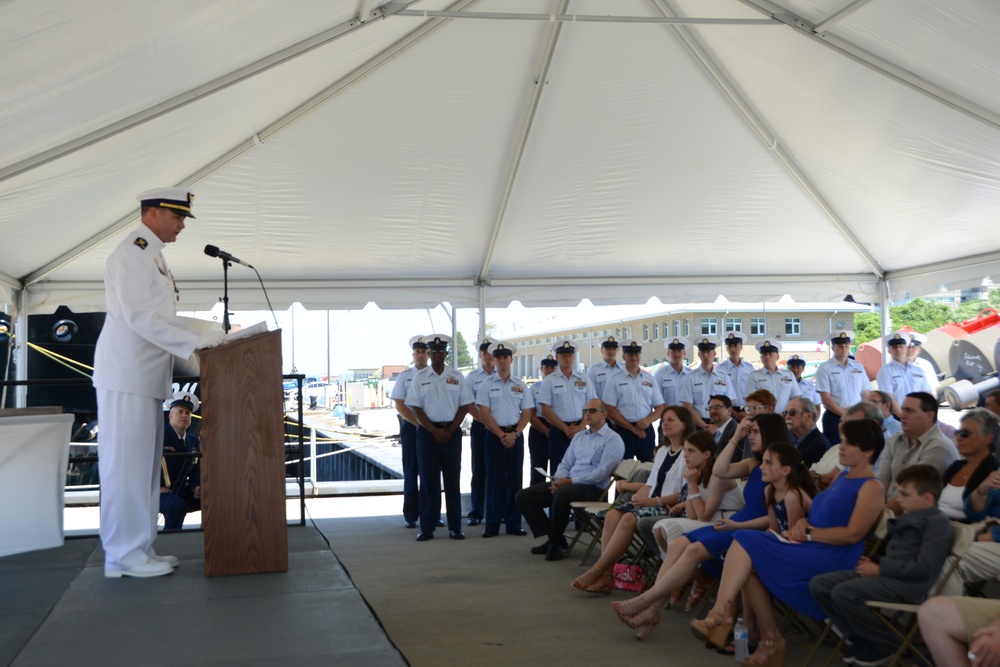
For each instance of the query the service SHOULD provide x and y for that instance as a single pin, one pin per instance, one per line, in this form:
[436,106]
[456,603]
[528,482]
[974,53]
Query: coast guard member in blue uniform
[668,377]
[180,478]
[737,371]
[562,396]
[702,383]
[505,406]
[582,474]
[841,382]
[408,432]
[439,397]
[780,383]
[634,402]
[477,491]
[899,377]
[601,372]
[538,434]
[133,368]
[796,365]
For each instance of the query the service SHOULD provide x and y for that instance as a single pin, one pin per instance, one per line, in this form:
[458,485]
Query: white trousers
[130,437]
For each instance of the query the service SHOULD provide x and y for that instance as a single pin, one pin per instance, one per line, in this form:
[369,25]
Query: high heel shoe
[626,609]
[713,628]
[702,582]
[645,621]
[676,597]
[768,654]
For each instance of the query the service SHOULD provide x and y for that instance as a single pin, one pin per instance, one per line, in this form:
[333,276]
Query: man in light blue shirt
[634,403]
[841,382]
[477,434]
[601,372]
[562,396]
[583,474]
[737,371]
[702,383]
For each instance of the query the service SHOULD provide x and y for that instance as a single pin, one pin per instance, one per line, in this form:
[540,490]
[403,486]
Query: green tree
[920,315]
[464,358]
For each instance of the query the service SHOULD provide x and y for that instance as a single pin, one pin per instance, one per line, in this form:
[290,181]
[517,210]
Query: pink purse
[629,577]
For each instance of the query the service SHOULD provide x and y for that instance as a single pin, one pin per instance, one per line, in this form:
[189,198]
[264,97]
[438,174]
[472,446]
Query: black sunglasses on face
[590,411]
[964,432]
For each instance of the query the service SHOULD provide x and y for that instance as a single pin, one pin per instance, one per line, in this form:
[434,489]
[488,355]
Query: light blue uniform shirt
[843,383]
[780,383]
[439,396]
[698,386]
[600,373]
[476,378]
[592,457]
[505,400]
[902,379]
[669,382]
[566,396]
[808,390]
[403,382]
[634,396]
[736,379]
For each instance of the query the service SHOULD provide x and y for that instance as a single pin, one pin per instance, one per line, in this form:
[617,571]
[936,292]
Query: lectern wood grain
[243,463]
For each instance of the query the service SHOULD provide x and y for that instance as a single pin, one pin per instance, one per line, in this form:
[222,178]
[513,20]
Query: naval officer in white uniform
[133,368]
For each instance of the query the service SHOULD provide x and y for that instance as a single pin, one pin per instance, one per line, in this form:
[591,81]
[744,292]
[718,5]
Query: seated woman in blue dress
[832,538]
[686,552]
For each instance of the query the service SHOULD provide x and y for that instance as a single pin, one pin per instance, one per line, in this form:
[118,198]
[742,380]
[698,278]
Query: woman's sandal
[713,628]
[604,585]
[768,654]
[626,609]
[699,587]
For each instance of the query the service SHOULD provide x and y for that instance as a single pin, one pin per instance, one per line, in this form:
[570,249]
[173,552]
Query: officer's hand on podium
[211,339]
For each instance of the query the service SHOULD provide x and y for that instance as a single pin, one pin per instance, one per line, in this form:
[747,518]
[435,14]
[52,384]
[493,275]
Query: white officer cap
[503,347]
[179,200]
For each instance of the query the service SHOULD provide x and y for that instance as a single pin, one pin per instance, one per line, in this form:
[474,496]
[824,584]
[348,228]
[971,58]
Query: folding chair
[586,513]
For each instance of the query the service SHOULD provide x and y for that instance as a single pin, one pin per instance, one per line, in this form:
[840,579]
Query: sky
[372,337]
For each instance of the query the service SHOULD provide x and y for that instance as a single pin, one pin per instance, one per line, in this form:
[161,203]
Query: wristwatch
[809,533]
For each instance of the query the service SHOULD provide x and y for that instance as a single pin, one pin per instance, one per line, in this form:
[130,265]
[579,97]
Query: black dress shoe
[490,533]
[440,523]
[423,537]
[541,549]
[555,552]
[410,524]
[520,531]
[456,535]
[474,521]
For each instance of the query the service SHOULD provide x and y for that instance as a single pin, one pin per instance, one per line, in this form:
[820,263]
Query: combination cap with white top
[565,347]
[418,342]
[707,342]
[734,337]
[675,343]
[437,341]
[843,337]
[486,342]
[502,347]
[178,200]
[768,345]
[185,399]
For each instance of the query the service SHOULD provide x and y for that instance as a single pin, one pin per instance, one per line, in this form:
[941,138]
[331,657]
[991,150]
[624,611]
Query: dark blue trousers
[411,493]
[538,453]
[640,448]
[504,469]
[558,444]
[831,427]
[477,495]
[436,462]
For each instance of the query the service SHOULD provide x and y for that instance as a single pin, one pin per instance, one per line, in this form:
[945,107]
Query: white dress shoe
[172,561]
[151,568]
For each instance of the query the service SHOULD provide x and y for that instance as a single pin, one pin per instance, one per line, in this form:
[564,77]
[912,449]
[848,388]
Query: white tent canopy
[413,153]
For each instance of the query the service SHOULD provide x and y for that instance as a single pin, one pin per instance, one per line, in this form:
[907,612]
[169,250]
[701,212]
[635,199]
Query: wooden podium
[243,463]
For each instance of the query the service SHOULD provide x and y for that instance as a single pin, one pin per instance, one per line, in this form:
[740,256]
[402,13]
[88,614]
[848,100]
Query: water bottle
[740,640]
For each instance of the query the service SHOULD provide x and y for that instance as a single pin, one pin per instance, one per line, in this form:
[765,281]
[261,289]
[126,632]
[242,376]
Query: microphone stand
[225,296]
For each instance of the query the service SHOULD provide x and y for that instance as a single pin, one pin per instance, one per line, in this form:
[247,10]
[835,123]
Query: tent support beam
[563,17]
[766,136]
[253,142]
[10,281]
[984,260]
[885,317]
[482,311]
[840,15]
[193,95]
[552,38]
[870,60]
[21,347]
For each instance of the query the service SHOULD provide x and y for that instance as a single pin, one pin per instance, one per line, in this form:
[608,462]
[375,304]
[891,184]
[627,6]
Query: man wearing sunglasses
[801,415]
[582,474]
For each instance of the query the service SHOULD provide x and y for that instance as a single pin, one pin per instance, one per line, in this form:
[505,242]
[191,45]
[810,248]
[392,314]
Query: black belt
[572,423]
[442,424]
[508,429]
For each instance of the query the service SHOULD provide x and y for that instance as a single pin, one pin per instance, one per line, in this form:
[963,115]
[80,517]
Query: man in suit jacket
[801,415]
[720,414]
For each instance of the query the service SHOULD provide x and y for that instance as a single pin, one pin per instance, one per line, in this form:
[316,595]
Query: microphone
[213,251]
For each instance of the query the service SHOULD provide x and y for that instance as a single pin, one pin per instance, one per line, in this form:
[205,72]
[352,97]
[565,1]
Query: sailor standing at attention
[601,372]
[439,397]
[781,383]
[841,382]
[737,371]
[133,368]
[505,406]
[702,383]
[668,377]
[477,433]
[538,434]
[562,397]
[796,365]
[634,402]
[408,432]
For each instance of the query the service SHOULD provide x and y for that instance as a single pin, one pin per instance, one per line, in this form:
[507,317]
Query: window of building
[677,327]
[586,335]
[793,326]
[618,332]
[656,330]
[607,333]
[548,339]
[576,336]
[645,332]
[687,327]
[734,324]
[709,326]
[758,326]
